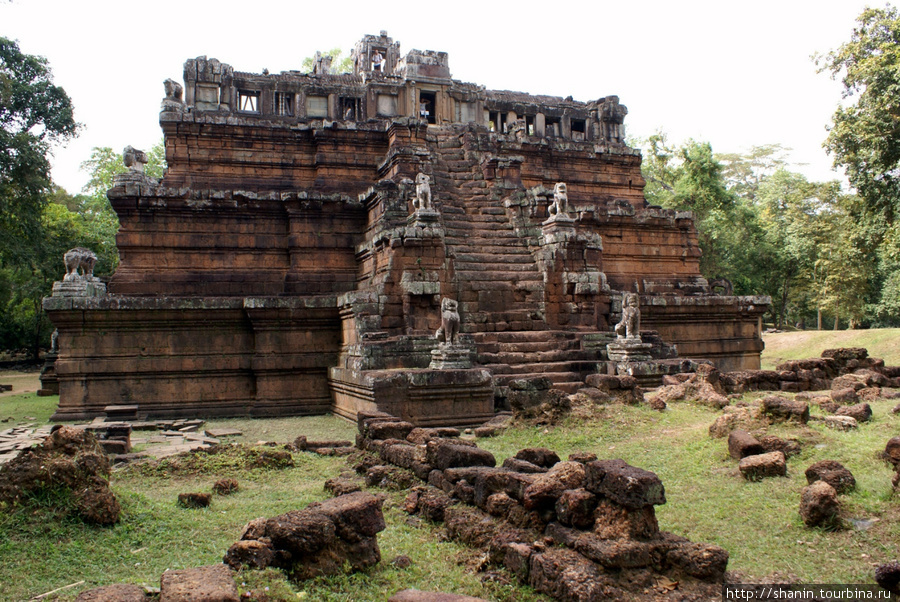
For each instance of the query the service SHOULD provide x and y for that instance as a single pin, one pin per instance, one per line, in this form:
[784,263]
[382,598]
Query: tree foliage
[34,114]
[865,135]
[339,62]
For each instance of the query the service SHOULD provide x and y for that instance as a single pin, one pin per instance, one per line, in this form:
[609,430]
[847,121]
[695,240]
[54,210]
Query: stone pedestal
[448,356]
[424,218]
[424,397]
[628,350]
[49,380]
[80,287]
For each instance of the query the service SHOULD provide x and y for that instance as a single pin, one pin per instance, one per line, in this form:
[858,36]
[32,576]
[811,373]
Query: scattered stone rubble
[69,460]
[317,540]
[837,370]
[582,529]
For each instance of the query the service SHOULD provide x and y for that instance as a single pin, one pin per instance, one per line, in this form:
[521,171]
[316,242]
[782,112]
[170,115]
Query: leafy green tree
[339,62]
[34,114]
[103,166]
[865,135]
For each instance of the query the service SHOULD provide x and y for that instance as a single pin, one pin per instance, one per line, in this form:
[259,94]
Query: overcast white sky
[732,72]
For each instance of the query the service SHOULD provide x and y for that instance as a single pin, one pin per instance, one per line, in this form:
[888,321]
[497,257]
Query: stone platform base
[422,396]
[650,373]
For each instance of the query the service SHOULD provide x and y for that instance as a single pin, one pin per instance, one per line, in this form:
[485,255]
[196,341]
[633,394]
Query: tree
[339,62]
[33,115]
[865,135]
[103,166]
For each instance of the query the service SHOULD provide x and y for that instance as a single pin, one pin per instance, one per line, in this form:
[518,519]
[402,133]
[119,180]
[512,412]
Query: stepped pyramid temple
[314,231]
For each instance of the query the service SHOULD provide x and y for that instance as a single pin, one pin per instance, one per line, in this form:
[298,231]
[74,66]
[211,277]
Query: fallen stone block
[833,473]
[341,486]
[702,561]
[523,466]
[840,423]
[772,464]
[892,451]
[781,408]
[887,576]
[207,584]
[845,395]
[428,502]
[742,444]
[615,553]
[567,575]
[223,432]
[789,447]
[194,500]
[539,456]
[547,487]
[819,505]
[575,508]
[225,486]
[861,412]
[612,521]
[624,484]
[443,455]
[249,553]
[388,430]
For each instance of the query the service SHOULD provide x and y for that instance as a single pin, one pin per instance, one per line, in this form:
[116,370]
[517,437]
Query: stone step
[513,358]
[490,257]
[510,271]
[568,381]
[551,344]
[516,337]
[573,368]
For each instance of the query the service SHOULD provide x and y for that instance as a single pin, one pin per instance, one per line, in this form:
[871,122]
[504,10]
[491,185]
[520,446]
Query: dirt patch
[22,382]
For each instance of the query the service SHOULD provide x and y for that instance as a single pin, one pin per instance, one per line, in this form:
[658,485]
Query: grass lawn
[782,346]
[707,500]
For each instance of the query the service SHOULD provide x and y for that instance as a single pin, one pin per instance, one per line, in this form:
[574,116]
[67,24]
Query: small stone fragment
[754,468]
[194,500]
[226,486]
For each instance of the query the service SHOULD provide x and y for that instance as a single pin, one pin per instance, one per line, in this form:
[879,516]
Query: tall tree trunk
[836,321]
[818,318]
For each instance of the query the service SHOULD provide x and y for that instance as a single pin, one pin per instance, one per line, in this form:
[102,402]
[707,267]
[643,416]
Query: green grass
[782,346]
[708,501]
[26,407]
[758,523]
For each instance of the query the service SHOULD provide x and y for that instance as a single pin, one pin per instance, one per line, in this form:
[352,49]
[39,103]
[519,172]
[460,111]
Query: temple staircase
[498,283]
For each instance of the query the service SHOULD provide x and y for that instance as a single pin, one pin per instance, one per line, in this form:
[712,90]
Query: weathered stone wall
[195,357]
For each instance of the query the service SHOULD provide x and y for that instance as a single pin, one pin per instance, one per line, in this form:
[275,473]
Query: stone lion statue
[174,90]
[79,264]
[560,204]
[630,325]
[423,192]
[134,159]
[449,330]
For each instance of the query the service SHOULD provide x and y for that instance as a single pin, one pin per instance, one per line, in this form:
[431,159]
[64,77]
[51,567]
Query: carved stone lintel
[449,356]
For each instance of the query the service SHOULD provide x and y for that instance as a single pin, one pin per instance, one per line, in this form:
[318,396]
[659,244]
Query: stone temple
[313,232]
